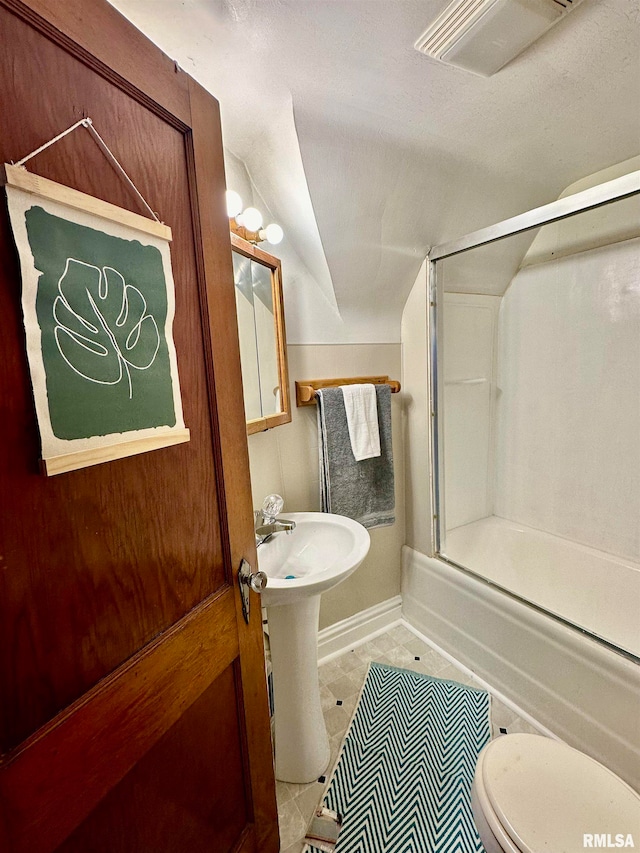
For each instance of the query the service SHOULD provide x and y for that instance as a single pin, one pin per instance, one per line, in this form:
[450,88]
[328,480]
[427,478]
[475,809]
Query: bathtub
[584,691]
[589,588]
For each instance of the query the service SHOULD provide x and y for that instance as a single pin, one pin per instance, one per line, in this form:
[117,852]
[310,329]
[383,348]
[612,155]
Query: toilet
[532,794]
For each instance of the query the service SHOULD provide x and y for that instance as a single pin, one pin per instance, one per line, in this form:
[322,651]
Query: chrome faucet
[265,524]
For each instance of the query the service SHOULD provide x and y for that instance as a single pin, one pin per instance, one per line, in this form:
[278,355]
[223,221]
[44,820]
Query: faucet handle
[271,506]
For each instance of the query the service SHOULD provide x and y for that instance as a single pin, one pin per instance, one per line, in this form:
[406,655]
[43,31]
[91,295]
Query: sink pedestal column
[302,745]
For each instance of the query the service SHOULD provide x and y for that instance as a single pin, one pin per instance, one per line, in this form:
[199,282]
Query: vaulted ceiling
[368,152]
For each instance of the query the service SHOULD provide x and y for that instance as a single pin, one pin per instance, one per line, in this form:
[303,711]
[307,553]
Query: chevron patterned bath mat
[403,780]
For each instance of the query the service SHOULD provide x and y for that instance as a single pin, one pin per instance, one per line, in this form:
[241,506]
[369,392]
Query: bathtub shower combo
[534,579]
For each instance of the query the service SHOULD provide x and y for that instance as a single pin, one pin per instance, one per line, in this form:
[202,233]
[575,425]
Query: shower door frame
[589,199]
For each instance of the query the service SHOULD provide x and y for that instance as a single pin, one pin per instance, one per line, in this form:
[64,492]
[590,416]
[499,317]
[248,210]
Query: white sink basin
[321,552]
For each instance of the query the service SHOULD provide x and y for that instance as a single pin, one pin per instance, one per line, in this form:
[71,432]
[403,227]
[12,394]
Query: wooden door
[133,709]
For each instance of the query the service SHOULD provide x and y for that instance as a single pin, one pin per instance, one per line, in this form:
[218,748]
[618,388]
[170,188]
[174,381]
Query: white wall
[602,226]
[285,460]
[568,450]
[311,311]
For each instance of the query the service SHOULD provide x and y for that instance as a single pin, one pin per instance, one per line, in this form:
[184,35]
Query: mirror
[263,354]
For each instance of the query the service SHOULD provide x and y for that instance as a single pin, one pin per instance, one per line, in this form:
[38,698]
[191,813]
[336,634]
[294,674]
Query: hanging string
[47,144]
[88,124]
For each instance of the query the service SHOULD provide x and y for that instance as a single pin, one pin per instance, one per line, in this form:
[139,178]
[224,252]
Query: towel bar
[306,388]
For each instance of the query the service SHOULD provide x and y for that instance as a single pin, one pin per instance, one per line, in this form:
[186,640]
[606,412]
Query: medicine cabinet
[263,349]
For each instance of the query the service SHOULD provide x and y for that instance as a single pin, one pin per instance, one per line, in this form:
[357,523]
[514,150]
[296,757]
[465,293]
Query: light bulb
[234,204]
[252,219]
[272,234]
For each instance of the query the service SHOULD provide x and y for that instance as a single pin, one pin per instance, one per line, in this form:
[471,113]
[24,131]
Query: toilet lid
[547,796]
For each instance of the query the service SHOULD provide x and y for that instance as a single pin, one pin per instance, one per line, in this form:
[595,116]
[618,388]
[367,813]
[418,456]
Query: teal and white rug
[403,780]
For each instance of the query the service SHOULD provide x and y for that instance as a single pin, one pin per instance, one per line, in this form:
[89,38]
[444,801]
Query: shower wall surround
[470,337]
[568,417]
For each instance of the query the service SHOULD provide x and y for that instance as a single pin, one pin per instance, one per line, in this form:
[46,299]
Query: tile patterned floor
[340,682]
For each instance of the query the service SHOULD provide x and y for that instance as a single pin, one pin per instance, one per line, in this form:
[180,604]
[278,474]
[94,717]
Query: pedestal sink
[321,552]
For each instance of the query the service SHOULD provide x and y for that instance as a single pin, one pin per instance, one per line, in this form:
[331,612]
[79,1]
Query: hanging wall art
[98,307]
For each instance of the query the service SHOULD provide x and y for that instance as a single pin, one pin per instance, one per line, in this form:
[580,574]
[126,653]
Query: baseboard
[357,629]
[364,626]
[481,682]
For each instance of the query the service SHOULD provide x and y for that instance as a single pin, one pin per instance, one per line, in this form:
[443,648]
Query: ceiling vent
[483,35]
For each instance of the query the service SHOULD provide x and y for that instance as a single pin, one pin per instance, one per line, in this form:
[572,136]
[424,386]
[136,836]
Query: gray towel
[360,490]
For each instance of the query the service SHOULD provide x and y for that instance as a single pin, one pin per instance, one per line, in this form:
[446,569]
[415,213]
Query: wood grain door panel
[118,576]
[202,793]
[115,726]
[134,713]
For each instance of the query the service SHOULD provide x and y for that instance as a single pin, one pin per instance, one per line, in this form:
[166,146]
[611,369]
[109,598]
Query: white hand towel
[362,420]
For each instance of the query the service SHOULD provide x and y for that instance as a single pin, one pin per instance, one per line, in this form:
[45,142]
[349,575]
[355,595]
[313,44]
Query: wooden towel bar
[306,388]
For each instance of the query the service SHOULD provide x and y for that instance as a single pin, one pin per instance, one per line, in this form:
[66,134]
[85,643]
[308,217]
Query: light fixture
[248,223]
[273,234]
[251,219]
[234,204]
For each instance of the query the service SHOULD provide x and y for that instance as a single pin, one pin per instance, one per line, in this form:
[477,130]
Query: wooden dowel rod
[308,393]
[306,390]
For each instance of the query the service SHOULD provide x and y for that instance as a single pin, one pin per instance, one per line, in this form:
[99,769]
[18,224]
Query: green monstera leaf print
[103,328]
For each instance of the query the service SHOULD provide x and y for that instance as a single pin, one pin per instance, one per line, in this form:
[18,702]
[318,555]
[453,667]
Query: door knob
[258,581]
[249,580]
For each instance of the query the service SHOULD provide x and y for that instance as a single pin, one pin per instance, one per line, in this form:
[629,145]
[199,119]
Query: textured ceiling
[369,152]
